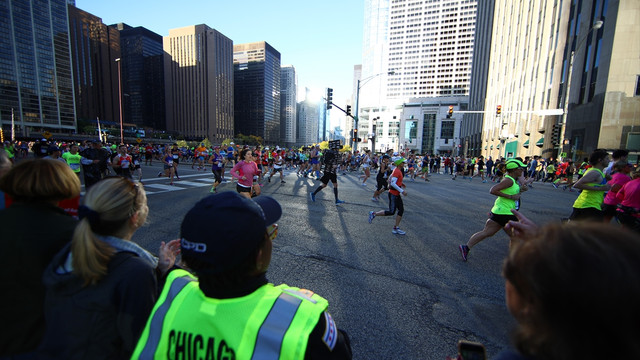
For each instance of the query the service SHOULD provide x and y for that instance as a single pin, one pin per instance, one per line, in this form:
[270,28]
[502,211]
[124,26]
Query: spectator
[102,287]
[231,300]
[94,163]
[573,291]
[32,230]
[5,166]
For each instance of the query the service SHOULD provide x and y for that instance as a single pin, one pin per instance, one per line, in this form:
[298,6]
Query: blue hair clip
[91,215]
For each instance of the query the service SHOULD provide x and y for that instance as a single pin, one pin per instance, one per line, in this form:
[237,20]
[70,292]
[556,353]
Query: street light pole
[596,25]
[361,84]
[120,99]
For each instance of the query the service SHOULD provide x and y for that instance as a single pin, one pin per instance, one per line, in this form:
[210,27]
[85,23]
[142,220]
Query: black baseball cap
[223,229]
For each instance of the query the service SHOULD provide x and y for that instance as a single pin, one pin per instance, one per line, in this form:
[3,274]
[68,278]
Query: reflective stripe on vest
[155,326]
[272,330]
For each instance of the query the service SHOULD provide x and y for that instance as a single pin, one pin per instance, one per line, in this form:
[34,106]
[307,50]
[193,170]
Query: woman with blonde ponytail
[102,287]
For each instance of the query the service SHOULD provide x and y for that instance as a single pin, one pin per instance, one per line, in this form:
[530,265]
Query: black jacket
[102,321]
[30,235]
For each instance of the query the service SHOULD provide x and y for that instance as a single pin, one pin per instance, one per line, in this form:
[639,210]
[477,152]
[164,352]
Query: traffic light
[355,134]
[329,98]
[555,134]
[450,112]
[348,110]
[499,110]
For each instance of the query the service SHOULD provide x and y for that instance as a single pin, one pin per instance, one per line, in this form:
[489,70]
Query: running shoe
[283,182]
[213,190]
[374,199]
[338,202]
[484,181]
[464,251]
[160,174]
[554,185]
[372,215]
[313,196]
[564,188]
[269,180]
[396,230]
[363,184]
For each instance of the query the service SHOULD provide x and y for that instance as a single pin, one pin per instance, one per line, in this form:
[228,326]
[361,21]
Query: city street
[398,297]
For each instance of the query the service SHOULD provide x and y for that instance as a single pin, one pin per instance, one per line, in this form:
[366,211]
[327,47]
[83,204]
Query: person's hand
[404,193]
[167,255]
[523,228]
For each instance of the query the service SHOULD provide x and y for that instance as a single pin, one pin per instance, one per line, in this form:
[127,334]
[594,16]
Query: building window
[446,131]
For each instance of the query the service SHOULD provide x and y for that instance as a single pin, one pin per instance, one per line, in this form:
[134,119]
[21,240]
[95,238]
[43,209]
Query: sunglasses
[272,231]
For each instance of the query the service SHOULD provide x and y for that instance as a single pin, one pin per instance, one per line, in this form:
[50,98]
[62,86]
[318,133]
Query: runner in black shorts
[331,159]
[383,174]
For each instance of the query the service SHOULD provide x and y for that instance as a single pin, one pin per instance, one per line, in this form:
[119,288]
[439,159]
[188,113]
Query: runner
[73,158]
[121,163]
[588,206]
[216,160]
[148,154]
[246,171]
[331,160]
[169,170]
[366,163]
[136,158]
[621,171]
[508,193]
[278,163]
[176,154]
[395,200]
[381,179]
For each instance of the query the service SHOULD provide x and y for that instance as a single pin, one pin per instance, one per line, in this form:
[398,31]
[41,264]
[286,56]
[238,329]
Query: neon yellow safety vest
[503,206]
[591,198]
[273,322]
[73,161]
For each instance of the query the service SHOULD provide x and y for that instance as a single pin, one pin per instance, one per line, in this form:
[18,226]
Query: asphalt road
[398,297]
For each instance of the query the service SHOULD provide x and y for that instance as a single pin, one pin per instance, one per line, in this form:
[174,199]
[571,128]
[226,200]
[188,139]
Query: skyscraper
[198,75]
[309,116]
[257,90]
[413,51]
[288,104]
[35,66]
[142,77]
[94,48]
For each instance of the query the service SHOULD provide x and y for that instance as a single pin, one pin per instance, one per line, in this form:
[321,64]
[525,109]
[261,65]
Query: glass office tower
[35,67]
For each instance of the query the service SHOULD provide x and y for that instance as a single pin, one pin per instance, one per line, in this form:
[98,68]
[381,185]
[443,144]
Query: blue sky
[322,39]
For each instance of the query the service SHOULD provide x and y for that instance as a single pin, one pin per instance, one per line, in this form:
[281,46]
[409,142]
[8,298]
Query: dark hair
[597,155]
[620,153]
[213,283]
[244,152]
[580,284]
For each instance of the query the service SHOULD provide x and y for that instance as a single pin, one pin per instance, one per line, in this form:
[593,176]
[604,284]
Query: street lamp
[361,83]
[120,99]
[596,25]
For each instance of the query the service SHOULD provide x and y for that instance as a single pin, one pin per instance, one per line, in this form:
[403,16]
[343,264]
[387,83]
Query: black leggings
[395,203]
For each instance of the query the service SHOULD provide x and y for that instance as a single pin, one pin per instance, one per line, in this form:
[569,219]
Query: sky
[322,39]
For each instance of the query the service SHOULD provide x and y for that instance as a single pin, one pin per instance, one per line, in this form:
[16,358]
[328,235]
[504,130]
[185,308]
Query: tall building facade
[257,90]
[566,78]
[35,67]
[94,48]
[309,116]
[523,77]
[412,50]
[142,77]
[198,73]
[471,126]
[288,105]
[601,78]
